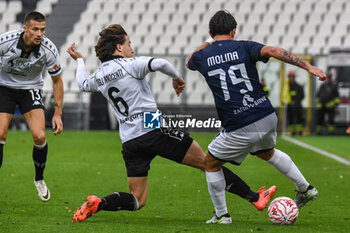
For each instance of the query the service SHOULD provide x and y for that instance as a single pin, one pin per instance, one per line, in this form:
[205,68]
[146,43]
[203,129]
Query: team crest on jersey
[152,120]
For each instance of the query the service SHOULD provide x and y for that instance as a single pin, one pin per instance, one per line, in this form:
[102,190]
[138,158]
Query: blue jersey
[229,68]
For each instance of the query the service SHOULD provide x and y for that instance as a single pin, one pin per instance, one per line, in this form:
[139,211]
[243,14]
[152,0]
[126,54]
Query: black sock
[39,158]
[1,153]
[118,201]
[234,184]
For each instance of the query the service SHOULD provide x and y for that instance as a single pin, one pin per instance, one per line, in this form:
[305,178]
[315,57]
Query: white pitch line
[322,152]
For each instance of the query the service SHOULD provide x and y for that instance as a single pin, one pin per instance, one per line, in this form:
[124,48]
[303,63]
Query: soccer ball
[283,210]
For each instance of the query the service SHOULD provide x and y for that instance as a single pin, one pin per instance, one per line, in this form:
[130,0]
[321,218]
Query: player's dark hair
[109,38]
[222,23]
[34,15]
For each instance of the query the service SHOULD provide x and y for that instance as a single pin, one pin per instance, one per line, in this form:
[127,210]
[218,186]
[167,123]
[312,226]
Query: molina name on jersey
[19,70]
[229,68]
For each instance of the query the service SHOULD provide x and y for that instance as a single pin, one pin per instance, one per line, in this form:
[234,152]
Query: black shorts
[25,99]
[168,143]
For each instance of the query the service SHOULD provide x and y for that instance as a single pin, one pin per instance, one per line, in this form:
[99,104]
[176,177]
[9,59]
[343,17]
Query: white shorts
[255,138]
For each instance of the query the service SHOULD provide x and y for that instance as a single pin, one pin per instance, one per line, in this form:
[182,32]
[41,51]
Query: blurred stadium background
[316,30]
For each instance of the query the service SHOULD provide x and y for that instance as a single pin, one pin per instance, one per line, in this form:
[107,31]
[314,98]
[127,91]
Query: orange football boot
[88,209]
[264,197]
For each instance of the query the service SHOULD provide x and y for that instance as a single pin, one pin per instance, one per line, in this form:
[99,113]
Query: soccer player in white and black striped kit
[25,55]
[121,80]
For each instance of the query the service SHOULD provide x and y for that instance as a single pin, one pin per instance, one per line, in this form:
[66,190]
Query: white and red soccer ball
[283,210]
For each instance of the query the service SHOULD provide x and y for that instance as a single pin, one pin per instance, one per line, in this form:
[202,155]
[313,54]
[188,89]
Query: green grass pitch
[84,163]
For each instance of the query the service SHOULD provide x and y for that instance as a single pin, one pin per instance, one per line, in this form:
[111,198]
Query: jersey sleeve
[52,59]
[85,83]
[192,63]
[139,67]
[254,49]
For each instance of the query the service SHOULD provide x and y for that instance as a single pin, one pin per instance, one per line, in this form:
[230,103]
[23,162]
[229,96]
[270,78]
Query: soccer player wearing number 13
[121,80]
[248,118]
[24,55]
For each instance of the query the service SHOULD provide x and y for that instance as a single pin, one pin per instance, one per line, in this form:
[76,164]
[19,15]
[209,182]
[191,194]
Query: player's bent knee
[39,139]
[3,135]
[266,155]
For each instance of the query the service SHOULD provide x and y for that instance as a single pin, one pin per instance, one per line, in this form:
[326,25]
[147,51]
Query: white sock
[282,162]
[216,186]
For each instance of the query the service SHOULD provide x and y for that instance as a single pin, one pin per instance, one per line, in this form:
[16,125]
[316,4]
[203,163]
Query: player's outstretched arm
[167,68]
[284,55]
[57,85]
[81,74]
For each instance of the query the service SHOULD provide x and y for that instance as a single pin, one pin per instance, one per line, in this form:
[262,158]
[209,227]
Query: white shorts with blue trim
[255,138]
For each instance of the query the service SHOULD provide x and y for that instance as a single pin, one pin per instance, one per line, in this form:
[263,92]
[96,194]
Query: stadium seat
[44,7]
[208,99]
[124,6]
[330,18]
[139,7]
[290,7]
[14,6]
[288,41]
[214,6]
[273,40]
[14,26]
[260,7]
[305,7]
[334,41]
[248,30]
[142,30]
[347,41]
[321,7]
[269,19]
[187,29]
[155,7]
[341,29]
[8,17]
[93,6]
[275,7]
[193,19]
[185,7]
[310,29]
[232,6]
[299,18]
[253,19]
[166,40]
[3,6]
[263,29]
[246,6]
[160,49]
[199,7]
[169,6]
[315,17]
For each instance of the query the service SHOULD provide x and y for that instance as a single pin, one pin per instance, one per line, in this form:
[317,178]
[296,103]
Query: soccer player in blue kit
[248,118]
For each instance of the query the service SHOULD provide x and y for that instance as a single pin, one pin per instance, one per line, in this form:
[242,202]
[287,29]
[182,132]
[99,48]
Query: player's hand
[317,72]
[178,85]
[57,124]
[73,52]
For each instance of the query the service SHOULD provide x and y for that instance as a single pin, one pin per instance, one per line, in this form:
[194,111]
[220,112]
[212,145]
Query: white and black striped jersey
[20,70]
[122,82]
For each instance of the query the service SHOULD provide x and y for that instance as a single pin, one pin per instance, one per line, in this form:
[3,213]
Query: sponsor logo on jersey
[152,120]
[56,68]
[36,102]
